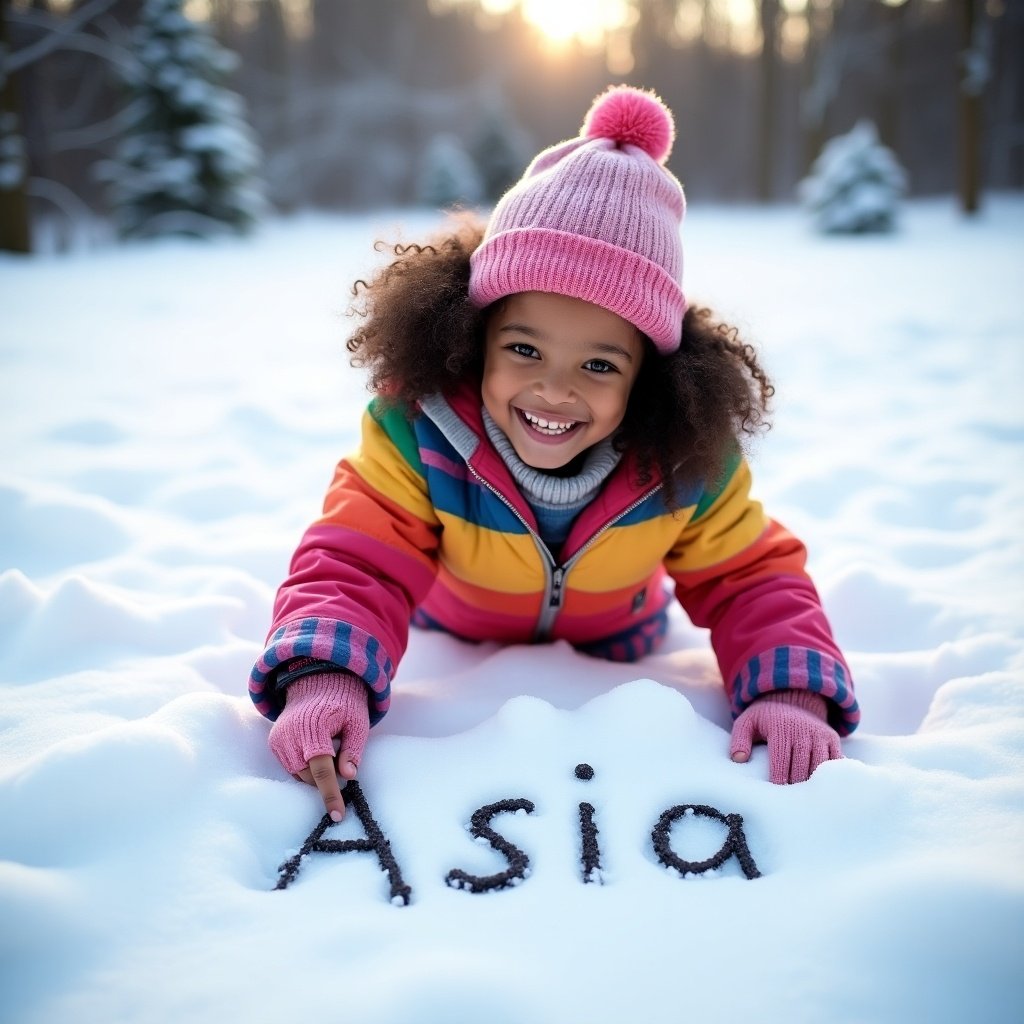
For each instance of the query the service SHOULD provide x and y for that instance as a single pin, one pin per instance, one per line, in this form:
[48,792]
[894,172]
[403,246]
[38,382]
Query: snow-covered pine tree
[500,148]
[448,176]
[855,184]
[187,163]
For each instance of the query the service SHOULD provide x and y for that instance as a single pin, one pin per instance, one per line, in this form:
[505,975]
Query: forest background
[351,100]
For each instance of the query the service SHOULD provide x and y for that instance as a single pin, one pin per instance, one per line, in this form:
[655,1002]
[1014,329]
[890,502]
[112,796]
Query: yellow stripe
[489,558]
[733,522]
[607,565]
[379,462]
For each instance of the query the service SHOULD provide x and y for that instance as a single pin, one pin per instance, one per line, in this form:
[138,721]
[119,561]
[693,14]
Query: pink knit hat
[597,218]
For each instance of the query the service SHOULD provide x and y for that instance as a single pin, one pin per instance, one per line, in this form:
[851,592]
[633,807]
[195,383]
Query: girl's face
[557,374]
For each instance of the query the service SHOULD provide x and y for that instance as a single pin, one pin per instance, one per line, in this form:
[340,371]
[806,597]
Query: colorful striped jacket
[424,524]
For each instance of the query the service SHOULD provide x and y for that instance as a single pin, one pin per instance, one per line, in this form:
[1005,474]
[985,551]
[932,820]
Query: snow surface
[172,414]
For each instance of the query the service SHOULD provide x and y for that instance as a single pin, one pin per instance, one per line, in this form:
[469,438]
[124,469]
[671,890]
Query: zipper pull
[557,576]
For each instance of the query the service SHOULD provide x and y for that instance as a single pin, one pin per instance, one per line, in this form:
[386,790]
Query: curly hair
[688,412]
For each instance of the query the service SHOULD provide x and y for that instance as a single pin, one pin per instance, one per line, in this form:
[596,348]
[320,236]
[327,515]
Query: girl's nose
[555,388]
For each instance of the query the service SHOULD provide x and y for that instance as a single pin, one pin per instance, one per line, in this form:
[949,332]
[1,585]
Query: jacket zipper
[554,574]
[557,579]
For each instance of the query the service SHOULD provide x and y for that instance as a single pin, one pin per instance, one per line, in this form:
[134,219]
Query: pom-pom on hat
[597,218]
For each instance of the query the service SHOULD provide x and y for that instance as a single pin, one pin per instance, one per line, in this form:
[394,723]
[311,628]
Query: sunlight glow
[588,21]
[198,10]
[744,26]
[793,36]
[689,20]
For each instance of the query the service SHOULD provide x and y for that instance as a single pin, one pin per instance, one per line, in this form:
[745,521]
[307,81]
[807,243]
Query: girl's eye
[522,349]
[600,366]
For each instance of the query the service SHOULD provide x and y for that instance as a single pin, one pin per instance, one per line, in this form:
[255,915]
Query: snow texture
[172,416]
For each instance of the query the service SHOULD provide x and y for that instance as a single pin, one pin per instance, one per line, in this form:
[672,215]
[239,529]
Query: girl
[554,437]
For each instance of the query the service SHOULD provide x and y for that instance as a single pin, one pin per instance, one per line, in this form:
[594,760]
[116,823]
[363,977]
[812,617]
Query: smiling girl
[557,376]
[554,452]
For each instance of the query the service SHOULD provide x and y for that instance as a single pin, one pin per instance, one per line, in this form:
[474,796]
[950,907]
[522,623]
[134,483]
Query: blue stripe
[814,680]
[636,641]
[470,500]
[372,673]
[271,655]
[841,690]
[304,640]
[341,648]
[464,497]
[650,508]
[422,620]
[780,670]
[376,715]
[754,667]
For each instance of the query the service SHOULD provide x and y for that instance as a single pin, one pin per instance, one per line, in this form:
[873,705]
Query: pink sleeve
[356,575]
[743,577]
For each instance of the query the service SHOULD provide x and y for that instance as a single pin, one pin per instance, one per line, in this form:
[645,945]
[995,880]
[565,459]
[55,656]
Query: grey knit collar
[546,489]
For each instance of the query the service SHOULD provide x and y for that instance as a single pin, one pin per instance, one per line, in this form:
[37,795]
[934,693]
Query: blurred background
[128,116]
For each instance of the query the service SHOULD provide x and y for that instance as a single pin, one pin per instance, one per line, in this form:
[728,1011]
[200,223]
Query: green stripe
[391,418]
[710,496]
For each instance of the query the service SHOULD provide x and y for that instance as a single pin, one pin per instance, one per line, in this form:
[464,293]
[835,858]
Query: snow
[172,415]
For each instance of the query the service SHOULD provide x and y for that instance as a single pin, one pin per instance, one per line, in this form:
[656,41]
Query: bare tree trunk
[889,114]
[767,127]
[815,92]
[973,73]
[15,235]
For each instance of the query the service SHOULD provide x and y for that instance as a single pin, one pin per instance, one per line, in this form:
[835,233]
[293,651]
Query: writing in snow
[735,844]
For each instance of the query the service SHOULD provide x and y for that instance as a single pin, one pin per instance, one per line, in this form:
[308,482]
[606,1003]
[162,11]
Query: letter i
[590,852]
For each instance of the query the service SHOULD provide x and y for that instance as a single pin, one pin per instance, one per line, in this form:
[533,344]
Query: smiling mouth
[548,427]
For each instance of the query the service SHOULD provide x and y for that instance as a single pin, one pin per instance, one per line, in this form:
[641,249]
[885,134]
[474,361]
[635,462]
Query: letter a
[734,845]
[375,842]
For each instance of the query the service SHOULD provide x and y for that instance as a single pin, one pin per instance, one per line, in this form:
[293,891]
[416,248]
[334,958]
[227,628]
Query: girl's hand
[317,709]
[794,724]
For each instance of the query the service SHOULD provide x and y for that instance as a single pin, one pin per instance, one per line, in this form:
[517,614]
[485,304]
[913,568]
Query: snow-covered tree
[188,161]
[500,148]
[448,175]
[855,184]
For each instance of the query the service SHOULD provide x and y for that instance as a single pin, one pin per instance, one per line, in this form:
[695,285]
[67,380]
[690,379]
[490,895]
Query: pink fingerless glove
[794,724]
[317,708]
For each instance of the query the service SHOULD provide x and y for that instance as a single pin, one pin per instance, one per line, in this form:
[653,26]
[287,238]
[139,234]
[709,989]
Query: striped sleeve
[326,640]
[799,668]
[743,576]
[359,570]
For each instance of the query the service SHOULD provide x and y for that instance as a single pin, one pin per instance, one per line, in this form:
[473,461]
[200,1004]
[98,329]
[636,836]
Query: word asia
[735,845]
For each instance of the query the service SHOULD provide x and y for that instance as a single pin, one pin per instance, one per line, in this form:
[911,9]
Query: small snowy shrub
[855,184]
[448,175]
[500,149]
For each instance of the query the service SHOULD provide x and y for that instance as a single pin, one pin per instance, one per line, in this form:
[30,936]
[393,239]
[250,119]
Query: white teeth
[548,426]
